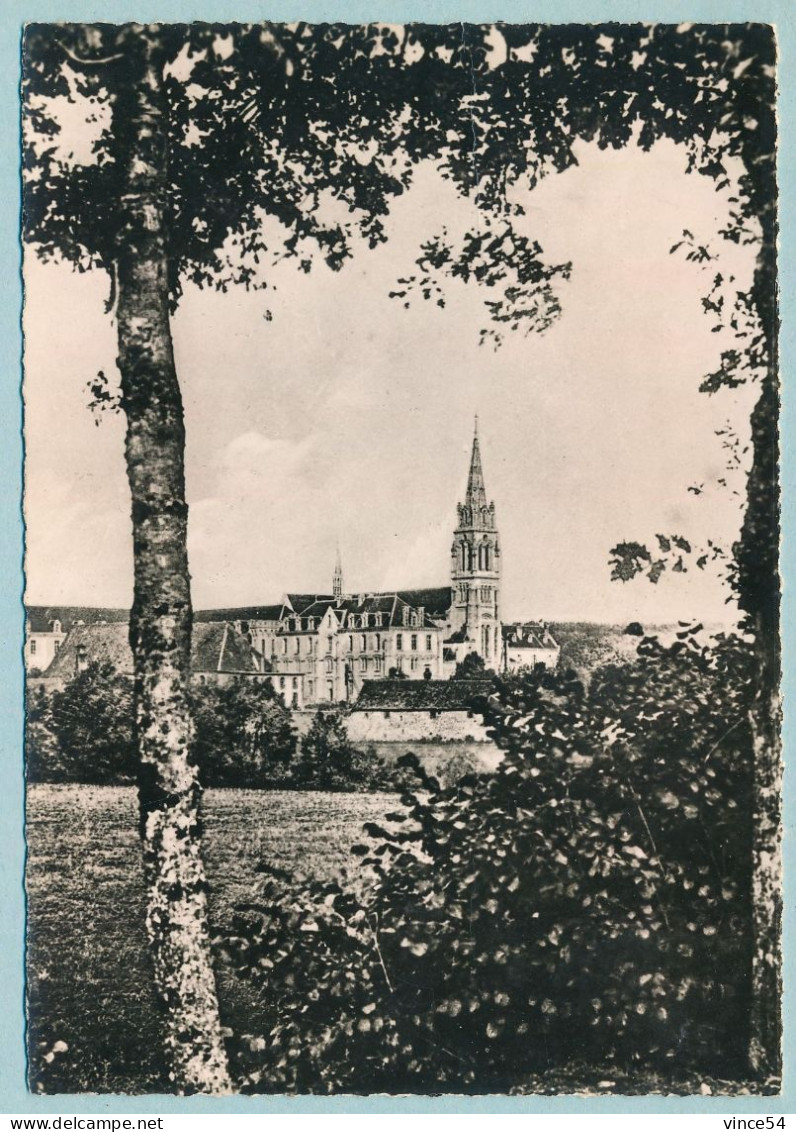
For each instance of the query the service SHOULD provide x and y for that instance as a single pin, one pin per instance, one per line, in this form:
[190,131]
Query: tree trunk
[759,569]
[757,555]
[160,622]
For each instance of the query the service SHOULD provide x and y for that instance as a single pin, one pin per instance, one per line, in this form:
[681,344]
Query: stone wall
[398,726]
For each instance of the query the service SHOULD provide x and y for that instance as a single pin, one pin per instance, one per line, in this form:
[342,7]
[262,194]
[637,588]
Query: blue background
[14,1097]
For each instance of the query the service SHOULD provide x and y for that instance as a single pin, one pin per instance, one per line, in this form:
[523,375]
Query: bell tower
[475,568]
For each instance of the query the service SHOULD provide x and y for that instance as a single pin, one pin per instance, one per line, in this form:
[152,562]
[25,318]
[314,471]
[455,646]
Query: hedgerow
[588,902]
[243,737]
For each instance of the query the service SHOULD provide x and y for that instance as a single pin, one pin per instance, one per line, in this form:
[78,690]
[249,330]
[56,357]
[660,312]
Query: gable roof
[317,609]
[421,695]
[41,617]
[242,613]
[391,606]
[436,600]
[215,647]
[103,644]
[528,635]
[299,602]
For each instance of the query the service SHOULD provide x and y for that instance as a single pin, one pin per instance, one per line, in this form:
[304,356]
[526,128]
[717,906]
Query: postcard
[402,559]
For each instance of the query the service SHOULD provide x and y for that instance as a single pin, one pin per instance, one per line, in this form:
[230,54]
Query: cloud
[249,538]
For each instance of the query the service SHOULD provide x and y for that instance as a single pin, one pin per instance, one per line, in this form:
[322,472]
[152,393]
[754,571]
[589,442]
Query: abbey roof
[421,695]
[216,647]
[41,617]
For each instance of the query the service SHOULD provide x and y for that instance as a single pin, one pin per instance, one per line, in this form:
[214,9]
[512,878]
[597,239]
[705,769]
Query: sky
[321,412]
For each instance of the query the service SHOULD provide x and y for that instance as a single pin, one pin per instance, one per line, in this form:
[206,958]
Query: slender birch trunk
[160,622]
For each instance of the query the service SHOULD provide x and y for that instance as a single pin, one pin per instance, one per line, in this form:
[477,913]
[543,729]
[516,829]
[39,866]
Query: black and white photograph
[402,594]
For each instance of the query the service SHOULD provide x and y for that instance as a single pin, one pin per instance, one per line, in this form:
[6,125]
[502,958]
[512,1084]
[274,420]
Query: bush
[328,761]
[41,747]
[243,735]
[83,733]
[588,902]
[472,667]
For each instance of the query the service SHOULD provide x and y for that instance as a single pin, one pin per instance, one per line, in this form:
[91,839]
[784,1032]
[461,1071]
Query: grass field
[89,980]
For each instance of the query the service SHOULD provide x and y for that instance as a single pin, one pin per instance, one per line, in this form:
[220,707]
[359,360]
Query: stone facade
[395,725]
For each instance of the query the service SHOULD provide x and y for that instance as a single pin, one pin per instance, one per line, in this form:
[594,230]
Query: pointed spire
[476,494]
[337,581]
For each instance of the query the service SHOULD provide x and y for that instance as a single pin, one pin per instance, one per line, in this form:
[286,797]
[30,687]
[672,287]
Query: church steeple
[476,493]
[337,580]
[475,567]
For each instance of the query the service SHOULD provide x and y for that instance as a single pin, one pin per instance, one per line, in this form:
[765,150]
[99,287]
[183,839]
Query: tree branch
[75,58]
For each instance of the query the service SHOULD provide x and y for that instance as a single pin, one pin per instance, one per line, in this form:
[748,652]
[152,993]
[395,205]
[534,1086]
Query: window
[32,647]
[363,664]
[428,642]
[284,645]
[56,646]
[295,681]
[364,642]
[281,681]
[310,689]
[377,663]
[378,642]
[378,620]
[350,644]
[433,714]
[329,664]
[414,642]
[298,646]
[386,715]
[399,642]
[330,690]
[413,663]
[295,700]
[329,643]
